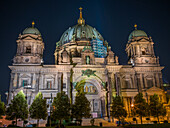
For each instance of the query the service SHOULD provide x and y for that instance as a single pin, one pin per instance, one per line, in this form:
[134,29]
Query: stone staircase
[104,121]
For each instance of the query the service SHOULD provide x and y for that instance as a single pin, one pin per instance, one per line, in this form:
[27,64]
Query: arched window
[28,49]
[87,59]
[143,51]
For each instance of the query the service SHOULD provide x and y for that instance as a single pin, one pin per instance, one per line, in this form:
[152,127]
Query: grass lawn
[148,126]
[84,127]
[68,127]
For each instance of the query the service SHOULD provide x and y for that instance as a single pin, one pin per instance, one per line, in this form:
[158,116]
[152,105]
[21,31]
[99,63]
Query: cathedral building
[84,60]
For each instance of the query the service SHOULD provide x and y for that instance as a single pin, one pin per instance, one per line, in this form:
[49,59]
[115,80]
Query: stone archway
[96,94]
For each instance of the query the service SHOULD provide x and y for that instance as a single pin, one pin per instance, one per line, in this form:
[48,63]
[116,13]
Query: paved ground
[86,122]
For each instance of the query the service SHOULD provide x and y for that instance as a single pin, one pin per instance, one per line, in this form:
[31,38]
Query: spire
[135,26]
[81,20]
[33,23]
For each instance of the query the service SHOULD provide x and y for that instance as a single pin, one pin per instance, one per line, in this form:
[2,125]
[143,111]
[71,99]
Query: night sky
[114,19]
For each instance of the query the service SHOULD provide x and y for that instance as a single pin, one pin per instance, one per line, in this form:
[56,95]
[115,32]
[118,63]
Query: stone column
[138,50]
[153,80]
[10,93]
[117,79]
[102,106]
[15,80]
[56,81]
[59,81]
[152,50]
[19,82]
[157,80]
[68,84]
[131,51]
[41,81]
[109,87]
[141,81]
[34,80]
[133,81]
[121,84]
[44,86]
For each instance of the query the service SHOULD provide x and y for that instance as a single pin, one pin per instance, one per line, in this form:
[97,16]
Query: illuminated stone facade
[84,60]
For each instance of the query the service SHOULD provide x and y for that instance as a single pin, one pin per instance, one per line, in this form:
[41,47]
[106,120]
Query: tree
[18,108]
[140,106]
[38,109]
[117,109]
[156,107]
[2,108]
[81,107]
[61,109]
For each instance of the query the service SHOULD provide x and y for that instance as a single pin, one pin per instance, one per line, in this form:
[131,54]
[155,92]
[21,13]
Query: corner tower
[30,47]
[140,49]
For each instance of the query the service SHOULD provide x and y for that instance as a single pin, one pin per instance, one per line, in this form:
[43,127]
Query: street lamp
[132,105]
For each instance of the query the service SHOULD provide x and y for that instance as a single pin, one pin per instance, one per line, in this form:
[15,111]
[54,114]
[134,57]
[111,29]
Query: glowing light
[33,23]
[135,26]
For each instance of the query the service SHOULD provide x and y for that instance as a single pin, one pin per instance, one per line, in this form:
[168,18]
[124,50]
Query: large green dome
[31,30]
[80,32]
[137,33]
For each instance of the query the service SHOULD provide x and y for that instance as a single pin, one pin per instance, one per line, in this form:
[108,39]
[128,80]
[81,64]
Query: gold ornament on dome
[33,23]
[81,20]
[135,26]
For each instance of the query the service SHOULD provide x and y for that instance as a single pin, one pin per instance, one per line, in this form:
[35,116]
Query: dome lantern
[81,20]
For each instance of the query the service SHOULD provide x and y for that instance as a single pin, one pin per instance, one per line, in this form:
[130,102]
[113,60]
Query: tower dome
[81,31]
[32,30]
[137,33]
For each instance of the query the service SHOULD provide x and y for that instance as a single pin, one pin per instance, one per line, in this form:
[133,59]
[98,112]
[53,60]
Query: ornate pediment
[154,89]
[25,76]
[49,76]
[143,39]
[29,37]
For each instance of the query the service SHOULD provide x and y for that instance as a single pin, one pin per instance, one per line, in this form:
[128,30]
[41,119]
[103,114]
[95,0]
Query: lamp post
[132,113]
[132,106]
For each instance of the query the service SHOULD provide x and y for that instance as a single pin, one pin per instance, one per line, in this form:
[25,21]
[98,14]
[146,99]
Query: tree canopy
[2,108]
[81,107]
[117,108]
[156,107]
[18,107]
[38,109]
[61,106]
[140,106]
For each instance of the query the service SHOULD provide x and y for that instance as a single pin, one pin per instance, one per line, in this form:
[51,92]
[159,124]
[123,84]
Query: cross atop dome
[81,20]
